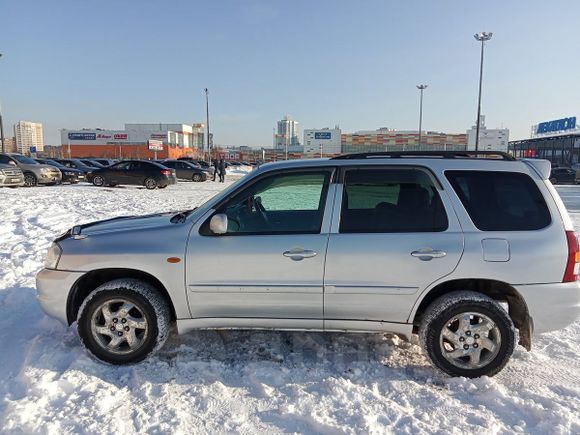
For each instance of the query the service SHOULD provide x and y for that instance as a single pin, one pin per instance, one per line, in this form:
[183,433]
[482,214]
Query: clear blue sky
[73,64]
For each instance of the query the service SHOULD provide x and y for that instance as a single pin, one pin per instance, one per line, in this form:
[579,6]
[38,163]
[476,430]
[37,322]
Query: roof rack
[498,155]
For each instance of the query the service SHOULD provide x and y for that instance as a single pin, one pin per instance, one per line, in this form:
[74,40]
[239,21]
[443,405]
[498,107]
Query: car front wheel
[197,178]
[98,181]
[467,334]
[30,180]
[123,321]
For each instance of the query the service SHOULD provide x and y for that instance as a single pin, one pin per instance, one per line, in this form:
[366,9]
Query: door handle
[428,254]
[297,255]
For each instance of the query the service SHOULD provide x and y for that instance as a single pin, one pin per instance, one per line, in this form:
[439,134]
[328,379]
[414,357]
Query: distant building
[28,134]
[555,140]
[286,135]
[322,142]
[385,139]
[10,144]
[490,139]
[136,141]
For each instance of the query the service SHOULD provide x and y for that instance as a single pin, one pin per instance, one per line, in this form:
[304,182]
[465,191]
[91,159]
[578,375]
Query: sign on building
[82,136]
[155,145]
[556,125]
[322,135]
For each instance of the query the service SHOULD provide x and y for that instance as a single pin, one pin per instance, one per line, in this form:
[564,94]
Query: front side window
[391,201]
[500,201]
[279,204]
[122,165]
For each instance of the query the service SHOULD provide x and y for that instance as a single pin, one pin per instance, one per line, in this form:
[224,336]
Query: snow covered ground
[248,382]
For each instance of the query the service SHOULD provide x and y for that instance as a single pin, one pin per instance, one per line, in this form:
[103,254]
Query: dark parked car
[92,163]
[563,176]
[137,172]
[186,170]
[69,175]
[78,164]
[104,162]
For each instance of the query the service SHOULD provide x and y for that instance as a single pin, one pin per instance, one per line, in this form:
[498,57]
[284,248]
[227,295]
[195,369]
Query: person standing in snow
[222,168]
[215,169]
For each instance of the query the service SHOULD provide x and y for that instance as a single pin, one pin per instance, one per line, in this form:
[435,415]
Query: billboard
[556,125]
[322,135]
[155,145]
[82,136]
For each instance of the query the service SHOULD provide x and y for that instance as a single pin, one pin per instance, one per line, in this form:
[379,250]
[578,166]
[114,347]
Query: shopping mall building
[557,141]
[136,141]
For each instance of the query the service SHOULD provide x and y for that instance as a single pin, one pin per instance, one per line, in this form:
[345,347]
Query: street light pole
[482,37]
[207,122]
[2,128]
[421,89]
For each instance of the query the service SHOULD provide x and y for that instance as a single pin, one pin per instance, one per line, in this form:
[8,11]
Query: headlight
[45,170]
[52,256]
[68,173]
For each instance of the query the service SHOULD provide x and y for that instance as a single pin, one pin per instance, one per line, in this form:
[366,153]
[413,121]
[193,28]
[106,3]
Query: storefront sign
[82,136]
[556,125]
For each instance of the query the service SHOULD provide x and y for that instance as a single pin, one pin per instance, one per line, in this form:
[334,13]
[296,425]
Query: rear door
[393,234]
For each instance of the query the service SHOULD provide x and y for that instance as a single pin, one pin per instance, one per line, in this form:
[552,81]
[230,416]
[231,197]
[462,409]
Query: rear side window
[501,201]
[390,201]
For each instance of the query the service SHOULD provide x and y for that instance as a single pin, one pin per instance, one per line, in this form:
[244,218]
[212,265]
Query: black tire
[150,183]
[30,179]
[452,305]
[99,181]
[146,301]
[197,178]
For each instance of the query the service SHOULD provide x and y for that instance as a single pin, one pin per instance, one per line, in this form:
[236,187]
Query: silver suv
[34,173]
[462,249]
[11,176]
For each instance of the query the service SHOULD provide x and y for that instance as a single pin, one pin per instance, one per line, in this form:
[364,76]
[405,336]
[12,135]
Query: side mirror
[219,223]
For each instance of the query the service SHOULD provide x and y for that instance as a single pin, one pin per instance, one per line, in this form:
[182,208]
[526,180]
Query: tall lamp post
[421,89]
[482,37]
[2,128]
[207,122]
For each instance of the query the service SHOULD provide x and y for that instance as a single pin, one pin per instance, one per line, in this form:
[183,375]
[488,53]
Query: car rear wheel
[123,321]
[196,177]
[150,183]
[98,181]
[467,334]
[30,180]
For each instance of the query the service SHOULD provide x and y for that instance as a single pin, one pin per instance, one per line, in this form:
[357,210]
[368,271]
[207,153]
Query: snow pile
[268,382]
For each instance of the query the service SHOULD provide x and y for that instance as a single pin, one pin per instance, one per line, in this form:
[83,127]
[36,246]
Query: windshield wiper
[180,216]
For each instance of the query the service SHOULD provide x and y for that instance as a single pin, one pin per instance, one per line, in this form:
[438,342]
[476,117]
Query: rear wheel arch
[497,290]
[93,279]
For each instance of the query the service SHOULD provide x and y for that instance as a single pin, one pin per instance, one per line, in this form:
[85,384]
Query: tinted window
[122,165]
[5,159]
[279,204]
[500,201]
[390,201]
[24,159]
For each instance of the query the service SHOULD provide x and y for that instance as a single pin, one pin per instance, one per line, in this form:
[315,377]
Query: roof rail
[499,155]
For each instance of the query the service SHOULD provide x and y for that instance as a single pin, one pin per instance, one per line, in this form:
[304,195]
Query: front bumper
[49,178]
[11,180]
[52,290]
[551,306]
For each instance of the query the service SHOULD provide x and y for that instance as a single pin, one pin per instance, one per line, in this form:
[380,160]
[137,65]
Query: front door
[117,174]
[392,238]
[270,262]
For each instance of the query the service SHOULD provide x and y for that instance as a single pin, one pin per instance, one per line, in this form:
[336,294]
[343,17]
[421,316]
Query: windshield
[23,159]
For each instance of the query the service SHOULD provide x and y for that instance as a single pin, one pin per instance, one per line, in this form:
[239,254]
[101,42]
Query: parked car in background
[563,176]
[92,163]
[104,162]
[444,245]
[185,170]
[69,175]
[34,172]
[78,164]
[11,176]
[136,172]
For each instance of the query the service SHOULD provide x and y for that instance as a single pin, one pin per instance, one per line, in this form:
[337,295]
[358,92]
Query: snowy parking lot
[267,382]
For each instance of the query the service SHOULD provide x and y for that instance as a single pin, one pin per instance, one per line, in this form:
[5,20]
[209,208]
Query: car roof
[434,162]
